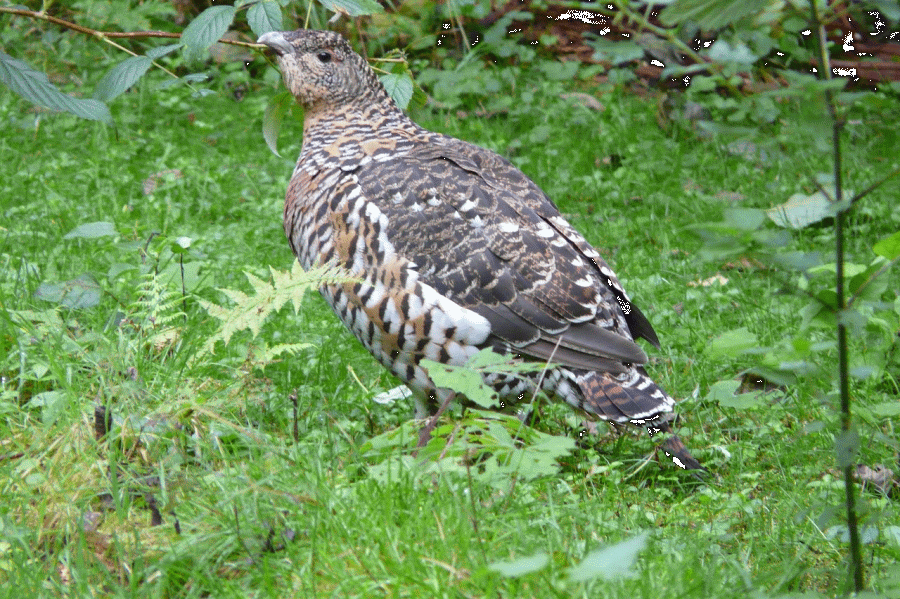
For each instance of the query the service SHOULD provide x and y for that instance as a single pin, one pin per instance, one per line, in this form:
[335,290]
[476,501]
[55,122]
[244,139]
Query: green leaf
[51,404]
[888,409]
[34,87]
[889,9]
[846,447]
[797,260]
[802,210]
[733,343]
[723,393]
[82,292]
[92,231]
[277,107]
[462,380]
[181,245]
[723,51]
[121,77]
[745,219]
[615,561]
[399,87]
[617,52]
[161,51]
[208,27]
[521,566]
[869,284]
[264,17]
[711,14]
[889,247]
[353,8]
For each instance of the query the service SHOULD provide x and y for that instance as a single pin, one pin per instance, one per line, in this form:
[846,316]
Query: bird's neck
[355,130]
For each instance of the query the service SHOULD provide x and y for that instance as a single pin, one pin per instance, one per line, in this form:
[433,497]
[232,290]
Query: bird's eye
[324,56]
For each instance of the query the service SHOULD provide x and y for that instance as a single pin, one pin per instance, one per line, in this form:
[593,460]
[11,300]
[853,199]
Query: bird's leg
[425,433]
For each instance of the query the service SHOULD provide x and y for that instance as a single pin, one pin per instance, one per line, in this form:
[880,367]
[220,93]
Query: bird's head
[321,70]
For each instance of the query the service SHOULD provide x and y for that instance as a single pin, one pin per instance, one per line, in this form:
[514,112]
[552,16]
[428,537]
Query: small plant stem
[856,564]
[425,433]
[874,186]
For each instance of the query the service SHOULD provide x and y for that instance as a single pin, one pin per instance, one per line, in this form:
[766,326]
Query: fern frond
[156,304]
[251,310]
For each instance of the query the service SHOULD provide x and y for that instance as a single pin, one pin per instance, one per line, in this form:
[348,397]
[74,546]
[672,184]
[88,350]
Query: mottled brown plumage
[456,249]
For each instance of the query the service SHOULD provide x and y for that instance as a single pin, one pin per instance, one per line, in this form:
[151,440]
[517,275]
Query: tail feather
[622,398]
[634,397]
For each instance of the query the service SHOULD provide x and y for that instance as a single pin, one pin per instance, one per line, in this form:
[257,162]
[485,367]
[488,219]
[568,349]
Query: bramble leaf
[34,86]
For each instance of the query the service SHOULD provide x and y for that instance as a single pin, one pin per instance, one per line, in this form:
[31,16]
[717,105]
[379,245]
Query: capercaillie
[453,249]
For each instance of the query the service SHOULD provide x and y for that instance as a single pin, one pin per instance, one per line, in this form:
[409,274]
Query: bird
[452,250]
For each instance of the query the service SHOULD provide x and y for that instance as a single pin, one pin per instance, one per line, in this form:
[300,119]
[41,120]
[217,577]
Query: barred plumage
[456,248]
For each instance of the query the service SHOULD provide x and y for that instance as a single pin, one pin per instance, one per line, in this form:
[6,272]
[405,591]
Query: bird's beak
[275,40]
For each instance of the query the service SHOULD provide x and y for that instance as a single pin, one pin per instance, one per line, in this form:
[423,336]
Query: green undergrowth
[140,457]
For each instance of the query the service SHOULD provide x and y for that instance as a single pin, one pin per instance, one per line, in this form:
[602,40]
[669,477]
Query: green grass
[248,510]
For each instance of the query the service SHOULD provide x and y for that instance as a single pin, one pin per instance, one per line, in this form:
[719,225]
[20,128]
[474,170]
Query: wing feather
[483,234]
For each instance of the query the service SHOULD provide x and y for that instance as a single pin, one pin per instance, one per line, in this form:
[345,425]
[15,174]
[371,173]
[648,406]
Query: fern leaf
[251,310]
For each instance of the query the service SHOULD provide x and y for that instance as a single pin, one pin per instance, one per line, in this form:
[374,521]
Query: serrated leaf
[487,359]
[353,8]
[399,87]
[277,107]
[159,52]
[616,561]
[92,231]
[889,247]
[802,210]
[521,566]
[264,17]
[462,380]
[122,76]
[37,89]
[733,343]
[711,14]
[871,283]
[208,27]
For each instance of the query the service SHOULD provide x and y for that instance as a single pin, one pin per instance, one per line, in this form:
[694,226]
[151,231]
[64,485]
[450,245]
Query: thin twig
[874,186]
[110,34]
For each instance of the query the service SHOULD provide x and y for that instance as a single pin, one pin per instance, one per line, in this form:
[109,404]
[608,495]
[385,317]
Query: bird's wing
[485,236]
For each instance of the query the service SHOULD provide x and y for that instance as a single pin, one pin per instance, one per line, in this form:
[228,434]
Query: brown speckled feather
[455,249]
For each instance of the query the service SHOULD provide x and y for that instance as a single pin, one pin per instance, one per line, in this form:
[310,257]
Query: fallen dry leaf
[152,182]
[713,280]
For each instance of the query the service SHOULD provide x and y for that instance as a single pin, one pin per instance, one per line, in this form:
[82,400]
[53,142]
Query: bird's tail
[634,397]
